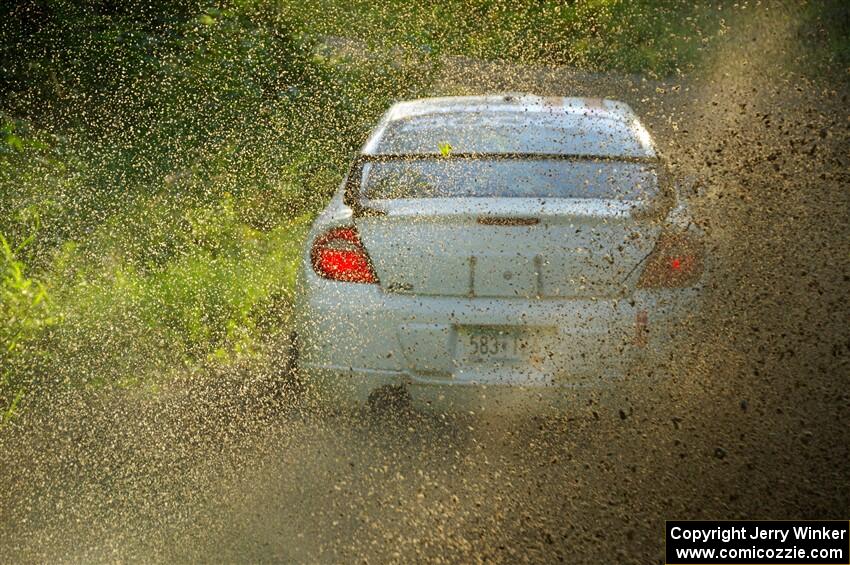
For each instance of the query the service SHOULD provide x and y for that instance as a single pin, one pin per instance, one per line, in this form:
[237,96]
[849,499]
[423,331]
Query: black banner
[758,542]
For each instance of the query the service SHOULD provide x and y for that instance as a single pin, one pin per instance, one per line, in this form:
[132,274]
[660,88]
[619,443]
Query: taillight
[676,262]
[339,255]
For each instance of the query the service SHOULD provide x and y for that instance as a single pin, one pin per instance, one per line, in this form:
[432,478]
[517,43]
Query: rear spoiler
[353,198]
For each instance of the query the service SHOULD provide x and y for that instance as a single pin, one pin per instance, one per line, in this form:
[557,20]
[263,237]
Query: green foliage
[165,160]
[826,30]
[24,313]
[124,324]
[655,37]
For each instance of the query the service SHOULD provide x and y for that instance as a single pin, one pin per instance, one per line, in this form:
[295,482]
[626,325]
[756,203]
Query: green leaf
[15,142]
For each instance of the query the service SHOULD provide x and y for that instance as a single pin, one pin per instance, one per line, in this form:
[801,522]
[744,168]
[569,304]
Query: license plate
[492,345]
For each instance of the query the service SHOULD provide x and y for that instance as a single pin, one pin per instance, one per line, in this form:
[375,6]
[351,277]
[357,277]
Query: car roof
[512,123]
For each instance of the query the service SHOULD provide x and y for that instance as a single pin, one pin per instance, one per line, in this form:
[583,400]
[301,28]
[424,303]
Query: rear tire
[389,400]
[290,388]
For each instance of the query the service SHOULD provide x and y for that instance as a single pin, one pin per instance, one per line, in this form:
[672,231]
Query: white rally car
[497,242]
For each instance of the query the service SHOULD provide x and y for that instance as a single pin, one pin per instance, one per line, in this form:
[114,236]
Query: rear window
[511,132]
[520,178]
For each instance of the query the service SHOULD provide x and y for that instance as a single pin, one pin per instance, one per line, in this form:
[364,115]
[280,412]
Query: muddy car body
[497,243]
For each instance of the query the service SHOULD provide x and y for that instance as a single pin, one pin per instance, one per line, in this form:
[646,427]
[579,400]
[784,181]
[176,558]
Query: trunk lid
[507,247]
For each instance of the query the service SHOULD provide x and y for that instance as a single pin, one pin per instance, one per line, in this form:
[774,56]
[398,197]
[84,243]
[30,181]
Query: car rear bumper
[348,388]
[355,338]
